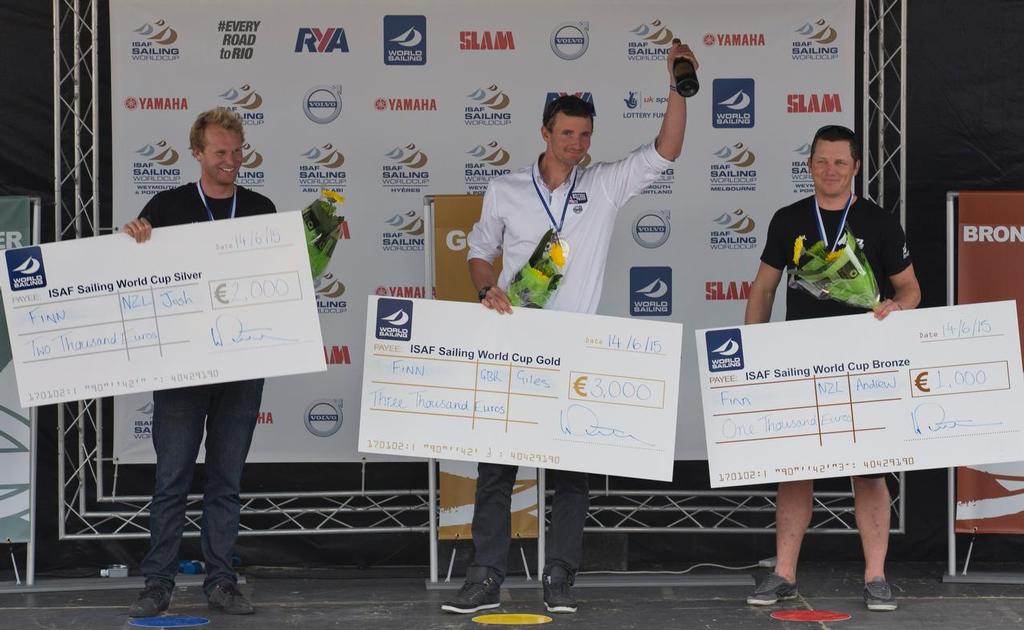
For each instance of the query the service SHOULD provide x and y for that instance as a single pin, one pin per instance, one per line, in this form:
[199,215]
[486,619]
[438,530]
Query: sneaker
[878,595]
[475,595]
[226,597]
[558,591]
[152,600]
[772,589]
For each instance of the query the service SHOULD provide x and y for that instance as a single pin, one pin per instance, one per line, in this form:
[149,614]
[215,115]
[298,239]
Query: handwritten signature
[582,421]
[932,417]
[230,328]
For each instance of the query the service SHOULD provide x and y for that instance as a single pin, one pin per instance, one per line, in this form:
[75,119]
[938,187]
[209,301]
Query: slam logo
[650,41]
[650,291]
[322,103]
[321,40]
[825,103]
[405,170]
[725,349]
[732,169]
[394,319]
[486,40]
[651,229]
[154,41]
[25,268]
[733,230]
[799,172]
[323,418]
[404,233]
[731,290]
[815,41]
[488,106]
[570,40]
[405,40]
[640,107]
[142,422]
[733,103]
[486,162]
[329,291]
[250,174]
[244,101]
[154,168]
[321,168]
[337,355]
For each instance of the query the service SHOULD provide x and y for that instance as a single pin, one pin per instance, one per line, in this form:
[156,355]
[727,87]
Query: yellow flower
[557,255]
[833,255]
[333,196]
[798,248]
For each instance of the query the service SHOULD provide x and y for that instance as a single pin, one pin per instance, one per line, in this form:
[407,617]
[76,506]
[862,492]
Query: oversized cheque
[453,380]
[851,395]
[202,303]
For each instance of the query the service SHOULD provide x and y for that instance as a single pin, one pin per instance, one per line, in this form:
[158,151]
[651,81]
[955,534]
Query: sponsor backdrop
[15,426]
[990,230]
[387,104]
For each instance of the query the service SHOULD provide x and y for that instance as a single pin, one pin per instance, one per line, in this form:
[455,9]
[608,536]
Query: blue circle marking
[171,621]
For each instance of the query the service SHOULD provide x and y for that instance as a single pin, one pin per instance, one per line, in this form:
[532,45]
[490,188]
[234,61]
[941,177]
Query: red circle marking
[809,615]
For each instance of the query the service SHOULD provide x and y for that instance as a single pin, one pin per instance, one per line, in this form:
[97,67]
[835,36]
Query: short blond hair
[220,117]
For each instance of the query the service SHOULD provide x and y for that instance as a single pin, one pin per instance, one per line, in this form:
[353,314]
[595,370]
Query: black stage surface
[398,599]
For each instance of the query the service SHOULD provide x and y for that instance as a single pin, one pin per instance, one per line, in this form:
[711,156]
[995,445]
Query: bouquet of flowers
[322,229]
[536,282]
[843,275]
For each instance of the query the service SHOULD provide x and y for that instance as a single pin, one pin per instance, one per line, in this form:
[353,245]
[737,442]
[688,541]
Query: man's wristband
[482,293]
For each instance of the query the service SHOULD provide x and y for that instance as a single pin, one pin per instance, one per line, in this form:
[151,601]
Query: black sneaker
[558,591]
[478,593]
[152,600]
[227,598]
[878,595]
[772,589]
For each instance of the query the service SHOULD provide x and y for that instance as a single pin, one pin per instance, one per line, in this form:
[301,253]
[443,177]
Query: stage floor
[371,600]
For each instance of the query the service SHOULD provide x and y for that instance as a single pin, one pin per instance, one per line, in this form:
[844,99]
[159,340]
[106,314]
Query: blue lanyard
[558,226]
[842,223]
[234,200]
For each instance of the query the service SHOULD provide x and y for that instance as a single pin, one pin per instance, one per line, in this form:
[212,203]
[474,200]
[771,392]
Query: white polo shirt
[513,221]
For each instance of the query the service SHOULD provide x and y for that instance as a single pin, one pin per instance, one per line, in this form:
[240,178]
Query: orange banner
[990,255]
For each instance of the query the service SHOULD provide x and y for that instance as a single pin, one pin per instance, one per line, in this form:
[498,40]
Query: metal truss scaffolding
[90,506]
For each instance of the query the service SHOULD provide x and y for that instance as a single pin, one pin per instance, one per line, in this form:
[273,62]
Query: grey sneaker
[152,600]
[558,591]
[772,589]
[481,591]
[227,598]
[878,595]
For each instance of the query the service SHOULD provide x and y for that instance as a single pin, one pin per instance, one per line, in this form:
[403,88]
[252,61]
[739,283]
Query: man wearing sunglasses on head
[832,213]
[571,209]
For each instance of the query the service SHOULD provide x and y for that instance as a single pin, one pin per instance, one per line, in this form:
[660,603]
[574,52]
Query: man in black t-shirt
[227,411]
[824,216]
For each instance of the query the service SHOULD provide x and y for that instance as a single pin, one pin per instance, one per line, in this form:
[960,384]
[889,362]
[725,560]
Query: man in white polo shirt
[579,204]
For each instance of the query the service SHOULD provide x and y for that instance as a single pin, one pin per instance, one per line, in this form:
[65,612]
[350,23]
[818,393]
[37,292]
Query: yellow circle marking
[512,620]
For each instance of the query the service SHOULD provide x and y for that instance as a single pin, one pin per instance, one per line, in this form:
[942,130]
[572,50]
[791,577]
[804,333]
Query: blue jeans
[492,519]
[228,412]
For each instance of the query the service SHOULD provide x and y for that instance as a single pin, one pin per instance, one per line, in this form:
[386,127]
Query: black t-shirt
[878,232]
[183,205]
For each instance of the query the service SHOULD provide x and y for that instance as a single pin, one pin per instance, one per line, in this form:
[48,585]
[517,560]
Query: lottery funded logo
[649,41]
[405,40]
[725,349]
[485,162]
[322,168]
[733,231]
[732,169]
[329,292]
[154,168]
[154,41]
[732,103]
[25,268]
[815,40]
[488,106]
[244,101]
[403,232]
[650,291]
[394,319]
[237,38]
[800,172]
[643,107]
[406,170]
